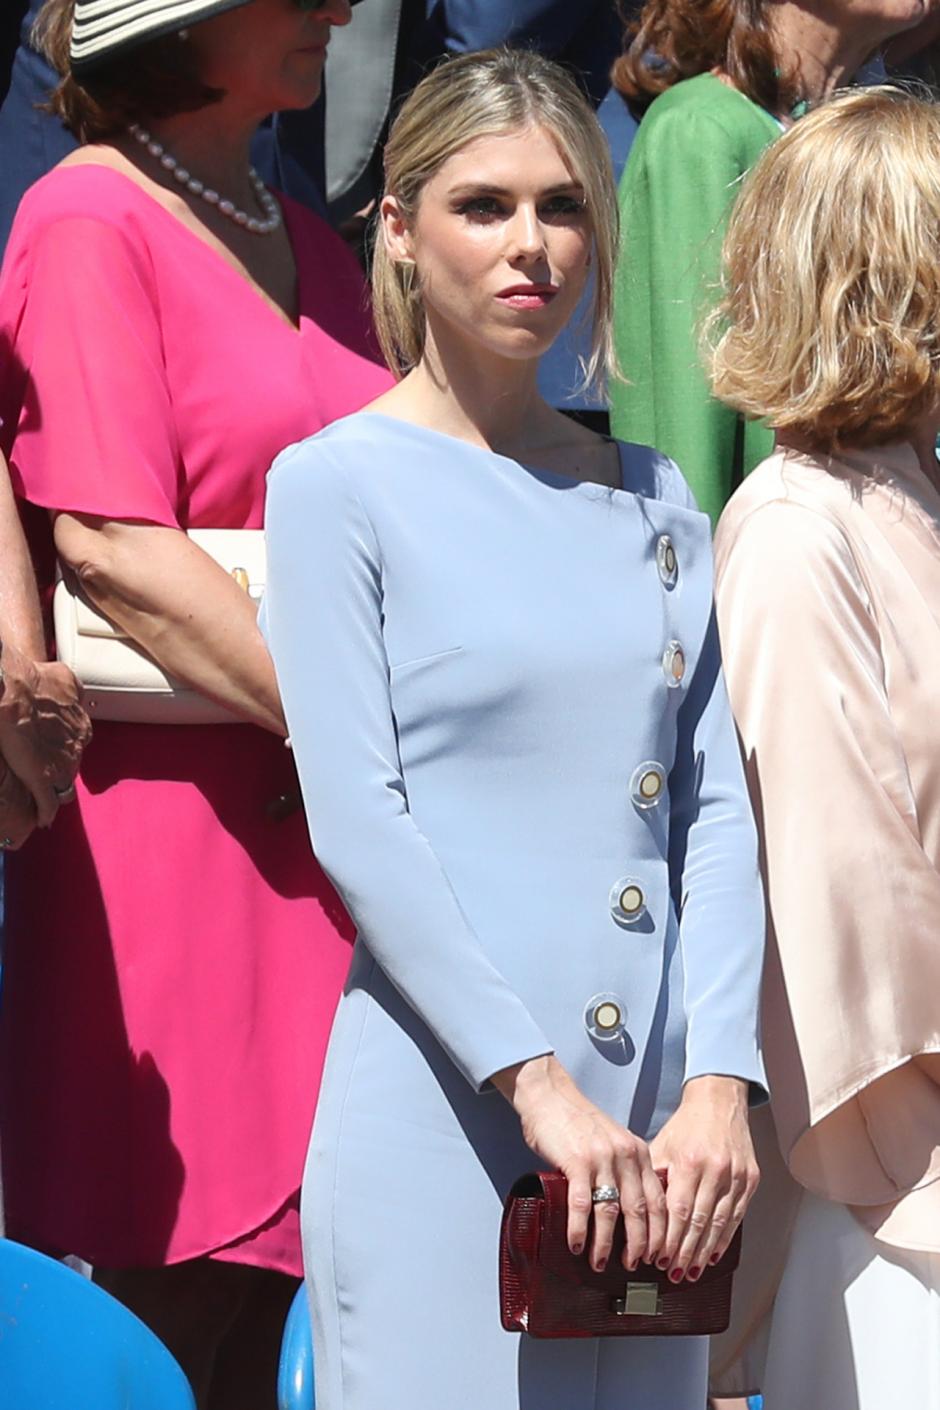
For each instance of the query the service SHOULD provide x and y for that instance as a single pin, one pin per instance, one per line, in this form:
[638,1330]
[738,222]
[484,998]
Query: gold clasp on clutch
[241,577]
[640,1300]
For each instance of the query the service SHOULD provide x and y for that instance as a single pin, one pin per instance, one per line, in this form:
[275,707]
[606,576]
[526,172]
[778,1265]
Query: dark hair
[675,39]
[155,79]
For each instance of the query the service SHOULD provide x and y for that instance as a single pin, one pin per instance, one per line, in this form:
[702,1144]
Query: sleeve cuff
[502,1054]
[726,1058]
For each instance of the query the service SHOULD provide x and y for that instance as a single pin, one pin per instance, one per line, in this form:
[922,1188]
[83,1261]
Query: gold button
[631,900]
[627,901]
[666,560]
[607,1016]
[674,664]
[647,784]
[651,786]
[604,1017]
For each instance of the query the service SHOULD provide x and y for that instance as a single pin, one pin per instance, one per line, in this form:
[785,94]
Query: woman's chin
[300,94]
[519,344]
[527,348]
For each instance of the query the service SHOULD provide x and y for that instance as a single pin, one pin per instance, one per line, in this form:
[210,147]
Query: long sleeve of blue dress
[714,872]
[711,823]
[322,618]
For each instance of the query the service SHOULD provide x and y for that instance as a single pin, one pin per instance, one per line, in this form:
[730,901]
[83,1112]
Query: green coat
[694,145]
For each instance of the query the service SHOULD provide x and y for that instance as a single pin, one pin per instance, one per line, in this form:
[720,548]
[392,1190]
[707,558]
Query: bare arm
[43,728]
[180,606]
[20,617]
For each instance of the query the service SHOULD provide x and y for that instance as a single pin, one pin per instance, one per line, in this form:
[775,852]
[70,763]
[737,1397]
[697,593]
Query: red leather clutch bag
[547,1291]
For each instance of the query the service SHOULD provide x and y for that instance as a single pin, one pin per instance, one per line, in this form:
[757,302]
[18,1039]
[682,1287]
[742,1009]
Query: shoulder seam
[346,483]
[668,474]
[353,490]
[42,225]
[824,516]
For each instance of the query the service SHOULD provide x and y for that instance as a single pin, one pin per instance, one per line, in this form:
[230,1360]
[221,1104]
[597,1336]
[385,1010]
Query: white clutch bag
[120,680]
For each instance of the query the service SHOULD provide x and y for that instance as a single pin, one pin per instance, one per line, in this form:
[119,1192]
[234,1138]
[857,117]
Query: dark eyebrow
[473,188]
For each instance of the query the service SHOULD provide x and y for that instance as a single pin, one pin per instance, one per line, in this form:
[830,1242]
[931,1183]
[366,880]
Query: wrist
[525,1082]
[18,671]
[717,1090]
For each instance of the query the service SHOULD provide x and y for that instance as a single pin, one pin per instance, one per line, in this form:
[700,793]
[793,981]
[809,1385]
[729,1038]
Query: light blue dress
[505,700]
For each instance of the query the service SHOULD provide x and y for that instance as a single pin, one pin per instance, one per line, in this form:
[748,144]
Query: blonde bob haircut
[830,321]
[489,94]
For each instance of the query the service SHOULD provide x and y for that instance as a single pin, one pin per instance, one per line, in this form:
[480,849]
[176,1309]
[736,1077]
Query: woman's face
[268,55]
[502,243]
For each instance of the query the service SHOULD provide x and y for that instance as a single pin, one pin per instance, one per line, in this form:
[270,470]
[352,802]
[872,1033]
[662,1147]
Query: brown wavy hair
[156,79]
[675,39]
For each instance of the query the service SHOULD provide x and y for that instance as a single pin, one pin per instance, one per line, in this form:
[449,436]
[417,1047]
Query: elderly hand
[43,729]
[574,1136]
[704,1153]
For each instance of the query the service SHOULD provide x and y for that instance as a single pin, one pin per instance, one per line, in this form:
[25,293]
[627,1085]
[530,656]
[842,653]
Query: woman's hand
[43,730]
[704,1153]
[574,1136]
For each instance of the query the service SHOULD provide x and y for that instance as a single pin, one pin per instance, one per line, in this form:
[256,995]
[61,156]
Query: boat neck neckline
[525,466]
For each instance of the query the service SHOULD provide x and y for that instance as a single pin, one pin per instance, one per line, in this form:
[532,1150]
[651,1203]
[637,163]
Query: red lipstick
[528,295]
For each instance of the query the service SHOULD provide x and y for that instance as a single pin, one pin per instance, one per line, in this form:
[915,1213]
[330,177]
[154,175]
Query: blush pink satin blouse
[828,589]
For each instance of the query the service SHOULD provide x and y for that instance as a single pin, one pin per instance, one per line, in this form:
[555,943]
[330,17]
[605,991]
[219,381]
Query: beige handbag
[120,680]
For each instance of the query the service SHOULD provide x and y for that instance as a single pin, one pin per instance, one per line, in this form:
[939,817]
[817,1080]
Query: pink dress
[173,953]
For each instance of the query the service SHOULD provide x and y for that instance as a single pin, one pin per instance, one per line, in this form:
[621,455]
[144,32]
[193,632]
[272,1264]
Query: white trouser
[856,1323]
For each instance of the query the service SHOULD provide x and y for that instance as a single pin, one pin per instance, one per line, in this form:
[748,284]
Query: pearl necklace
[272,211]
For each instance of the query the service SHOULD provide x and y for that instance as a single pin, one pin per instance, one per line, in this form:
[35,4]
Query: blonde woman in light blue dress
[494,638]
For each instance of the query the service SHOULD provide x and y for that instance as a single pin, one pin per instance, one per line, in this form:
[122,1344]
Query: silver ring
[605,1194]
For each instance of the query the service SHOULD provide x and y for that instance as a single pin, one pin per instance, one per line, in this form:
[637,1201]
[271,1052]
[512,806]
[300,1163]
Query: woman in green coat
[722,79]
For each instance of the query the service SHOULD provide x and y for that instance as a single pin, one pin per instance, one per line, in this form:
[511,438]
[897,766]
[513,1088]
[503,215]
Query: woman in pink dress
[174,954]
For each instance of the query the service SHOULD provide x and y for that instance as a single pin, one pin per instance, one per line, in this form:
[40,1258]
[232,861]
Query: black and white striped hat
[103,28]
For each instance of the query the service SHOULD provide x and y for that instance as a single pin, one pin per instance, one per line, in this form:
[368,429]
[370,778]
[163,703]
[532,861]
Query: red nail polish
[715,1258]
[577,1248]
[662,1264]
[695,1274]
[676,1275]
[601,1264]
